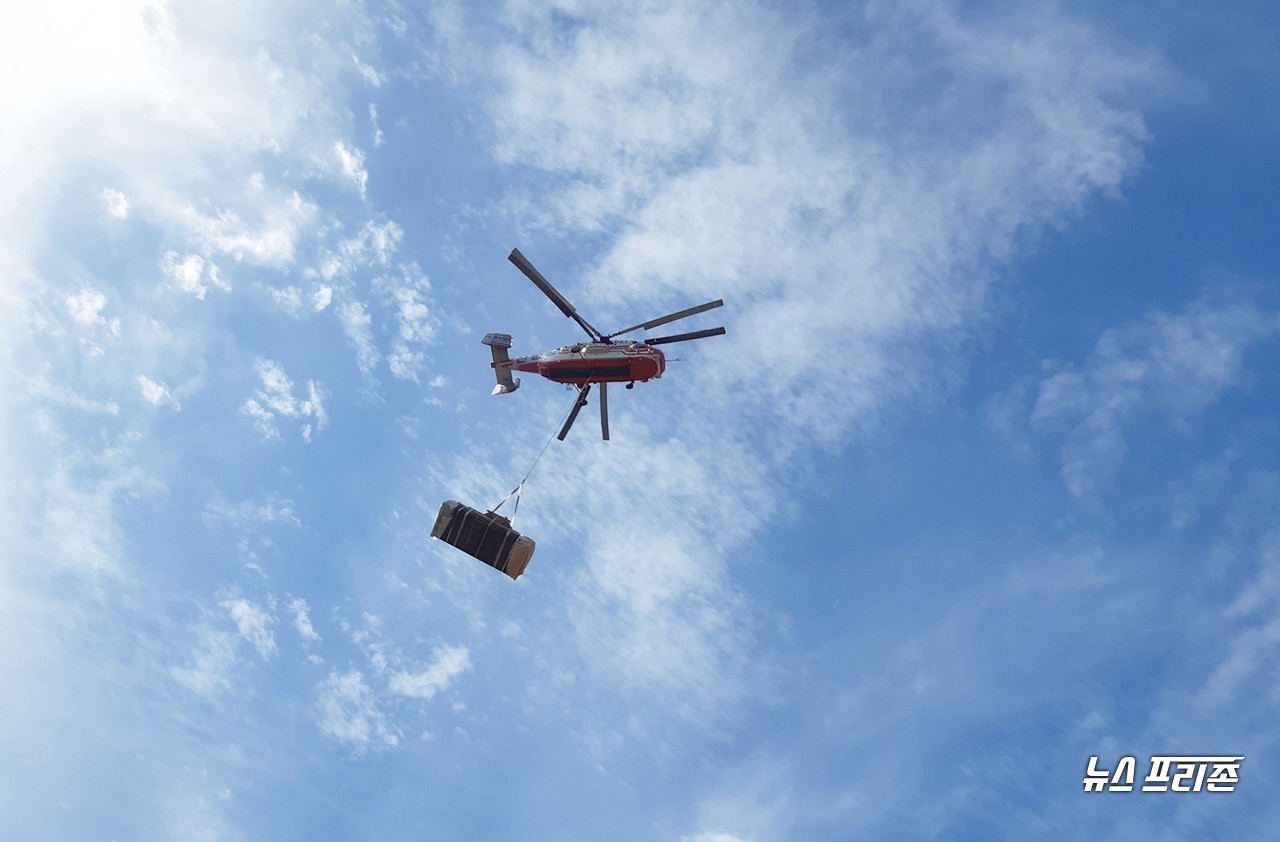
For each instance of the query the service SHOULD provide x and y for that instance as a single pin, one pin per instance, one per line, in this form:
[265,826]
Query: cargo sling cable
[518,490]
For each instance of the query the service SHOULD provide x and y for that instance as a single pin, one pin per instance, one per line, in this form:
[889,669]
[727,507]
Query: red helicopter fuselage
[594,362]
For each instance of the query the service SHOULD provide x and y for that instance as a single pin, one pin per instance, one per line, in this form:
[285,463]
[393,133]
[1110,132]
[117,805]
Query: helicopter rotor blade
[685,337]
[604,410]
[522,263]
[573,413]
[673,317]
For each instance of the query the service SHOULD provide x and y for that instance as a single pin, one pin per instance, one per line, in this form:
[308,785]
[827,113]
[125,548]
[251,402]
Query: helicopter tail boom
[499,343]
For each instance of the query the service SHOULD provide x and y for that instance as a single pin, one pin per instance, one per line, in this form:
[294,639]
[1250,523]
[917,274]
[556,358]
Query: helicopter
[601,361]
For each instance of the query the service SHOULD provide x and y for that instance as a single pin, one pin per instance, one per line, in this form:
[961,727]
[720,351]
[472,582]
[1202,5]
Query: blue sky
[982,481]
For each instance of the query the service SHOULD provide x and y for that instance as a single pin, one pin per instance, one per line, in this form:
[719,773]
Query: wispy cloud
[850,184]
[389,318]
[213,667]
[852,238]
[161,154]
[254,525]
[351,164]
[271,241]
[450,662]
[254,625]
[416,324]
[96,331]
[301,611]
[373,245]
[117,203]
[378,137]
[79,527]
[347,712]
[1167,368]
[192,274]
[85,307]
[1254,643]
[209,670]
[276,398]
[157,393]
[269,508]
[357,324]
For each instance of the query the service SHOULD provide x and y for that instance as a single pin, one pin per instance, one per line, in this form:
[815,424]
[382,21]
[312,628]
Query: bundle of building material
[486,536]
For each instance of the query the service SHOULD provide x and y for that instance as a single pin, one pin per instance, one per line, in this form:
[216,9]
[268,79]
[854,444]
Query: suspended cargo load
[484,535]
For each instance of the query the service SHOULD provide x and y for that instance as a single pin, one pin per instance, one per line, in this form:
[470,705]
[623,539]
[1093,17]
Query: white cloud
[253,524]
[416,325]
[157,393]
[96,332]
[348,713]
[293,301]
[369,73]
[79,528]
[331,267]
[271,241]
[302,620]
[351,163]
[321,298]
[853,203]
[259,529]
[192,274]
[403,297]
[450,662]
[211,664]
[86,306]
[750,800]
[55,395]
[254,625]
[196,814]
[866,261]
[174,98]
[373,245]
[265,421]
[357,324]
[208,120]
[712,836]
[378,137]
[288,298]
[117,203]
[1244,665]
[1173,366]
[276,398]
